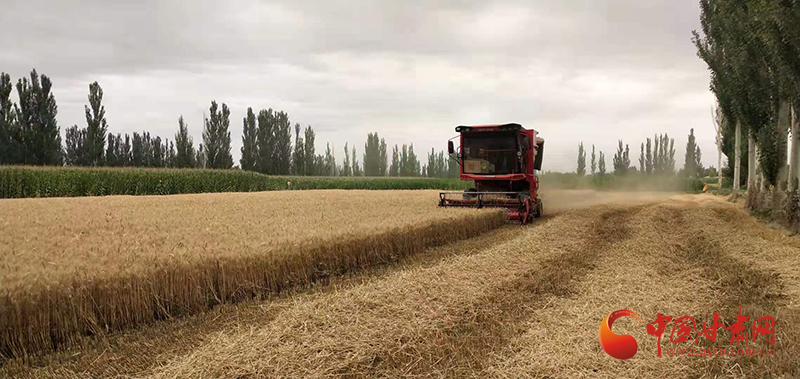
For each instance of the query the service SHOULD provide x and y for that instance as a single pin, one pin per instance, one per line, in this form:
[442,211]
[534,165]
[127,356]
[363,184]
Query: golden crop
[514,302]
[72,266]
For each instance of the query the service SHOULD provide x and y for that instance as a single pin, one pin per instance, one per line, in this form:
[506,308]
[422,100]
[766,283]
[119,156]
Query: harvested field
[75,266]
[514,302]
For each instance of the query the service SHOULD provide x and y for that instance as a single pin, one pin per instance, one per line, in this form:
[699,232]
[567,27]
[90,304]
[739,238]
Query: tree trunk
[793,155]
[762,182]
[751,162]
[738,159]
[719,165]
[783,125]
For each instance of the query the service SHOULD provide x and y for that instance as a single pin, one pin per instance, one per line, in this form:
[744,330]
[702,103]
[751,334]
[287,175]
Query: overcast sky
[592,71]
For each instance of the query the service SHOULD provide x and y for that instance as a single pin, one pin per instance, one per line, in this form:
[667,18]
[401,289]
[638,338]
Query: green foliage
[356,168]
[453,167]
[20,182]
[594,161]
[728,148]
[557,180]
[373,166]
[330,161]
[200,157]
[250,153]
[602,165]
[772,151]
[440,166]
[274,144]
[36,137]
[346,168]
[298,156]
[282,152]
[217,137]
[74,150]
[394,168]
[669,165]
[622,160]
[146,151]
[96,127]
[383,168]
[642,167]
[752,48]
[691,166]
[581,160]
[265,139]
[185,153]
[309,151]
[405,162]
[694,185]
[793,205]
[115,153]
[663,157]
[7,120]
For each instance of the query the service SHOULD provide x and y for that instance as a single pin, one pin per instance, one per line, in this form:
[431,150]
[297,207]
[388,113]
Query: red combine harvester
[502,160]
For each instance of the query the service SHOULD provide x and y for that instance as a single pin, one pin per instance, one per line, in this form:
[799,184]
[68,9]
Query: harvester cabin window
[490,153]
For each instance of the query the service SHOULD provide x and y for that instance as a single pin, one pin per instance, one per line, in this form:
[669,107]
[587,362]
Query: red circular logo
[620,346]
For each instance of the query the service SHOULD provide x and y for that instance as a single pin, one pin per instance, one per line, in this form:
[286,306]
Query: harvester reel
[470,193]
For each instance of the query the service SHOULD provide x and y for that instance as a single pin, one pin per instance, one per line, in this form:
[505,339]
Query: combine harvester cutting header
[502,160]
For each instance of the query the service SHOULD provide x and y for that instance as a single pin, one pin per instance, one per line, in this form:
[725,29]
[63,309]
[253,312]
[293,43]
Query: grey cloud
[591,70]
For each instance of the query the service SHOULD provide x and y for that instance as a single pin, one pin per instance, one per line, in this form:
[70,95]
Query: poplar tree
[265,138]
[298,157]
[346,170]
[642,161]
[217,137]
[690,161]
[394,168]
[356,168]
[602,164]
[96,127]
[8,127]
[372,155]
[382,159]
[250,153]
[184,146]
[310,155]
[282,154]
[38,133]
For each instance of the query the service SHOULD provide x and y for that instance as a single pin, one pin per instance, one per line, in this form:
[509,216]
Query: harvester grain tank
[502,160]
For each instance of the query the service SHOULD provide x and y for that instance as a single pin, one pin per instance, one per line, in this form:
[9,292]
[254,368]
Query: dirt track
[516,302]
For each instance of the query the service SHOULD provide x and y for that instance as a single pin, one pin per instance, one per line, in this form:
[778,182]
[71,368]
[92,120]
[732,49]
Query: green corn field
[23,182]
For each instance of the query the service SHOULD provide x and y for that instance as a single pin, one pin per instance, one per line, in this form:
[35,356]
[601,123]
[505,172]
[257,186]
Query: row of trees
[29,134]
[752,49]
[657,157]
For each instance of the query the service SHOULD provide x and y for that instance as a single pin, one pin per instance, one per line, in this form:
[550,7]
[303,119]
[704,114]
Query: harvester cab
[502,161]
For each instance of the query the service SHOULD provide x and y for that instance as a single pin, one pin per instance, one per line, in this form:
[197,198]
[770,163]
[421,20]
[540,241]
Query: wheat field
[87,266]
[513,302]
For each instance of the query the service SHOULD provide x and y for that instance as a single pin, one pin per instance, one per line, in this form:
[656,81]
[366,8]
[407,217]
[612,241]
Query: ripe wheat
[75,266]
